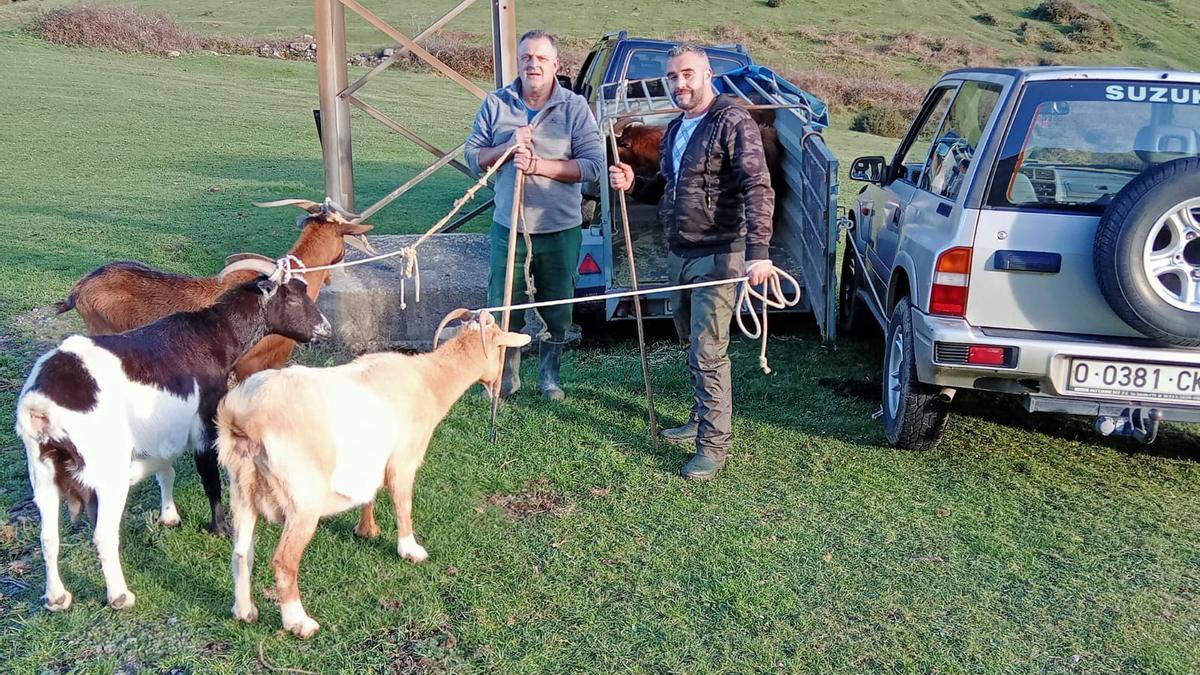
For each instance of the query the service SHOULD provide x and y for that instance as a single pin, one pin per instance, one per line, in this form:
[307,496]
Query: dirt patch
[863,390]
[409,650]
[534,499]
[44,327]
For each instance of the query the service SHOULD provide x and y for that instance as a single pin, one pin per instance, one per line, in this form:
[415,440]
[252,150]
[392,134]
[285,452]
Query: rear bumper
[1040,368]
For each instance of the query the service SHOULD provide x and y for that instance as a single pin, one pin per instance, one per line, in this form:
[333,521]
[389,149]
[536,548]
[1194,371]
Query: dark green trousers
[702,317]
[555,272]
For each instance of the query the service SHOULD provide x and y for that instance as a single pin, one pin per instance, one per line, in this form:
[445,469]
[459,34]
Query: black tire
[914,418]
[854,317]
[1120,253]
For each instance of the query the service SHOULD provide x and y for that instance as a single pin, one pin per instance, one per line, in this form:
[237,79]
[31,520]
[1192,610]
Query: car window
[1073,145]
[956,141]
[596,77]
[646,63]
[581,77]
[913,156]
[721,66]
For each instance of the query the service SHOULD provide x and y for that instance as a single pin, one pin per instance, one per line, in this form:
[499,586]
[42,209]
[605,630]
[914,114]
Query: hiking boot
[510,379]
[685,433]
[702,467]
[550,360]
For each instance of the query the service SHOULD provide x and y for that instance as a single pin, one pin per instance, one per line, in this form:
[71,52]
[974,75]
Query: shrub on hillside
[852,92]
[1087,26]
[1049,40]
[941,50]
[120,29]
[1094,33]
[883,120]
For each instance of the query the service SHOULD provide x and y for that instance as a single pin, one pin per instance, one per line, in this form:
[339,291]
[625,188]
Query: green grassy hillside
[1022,544]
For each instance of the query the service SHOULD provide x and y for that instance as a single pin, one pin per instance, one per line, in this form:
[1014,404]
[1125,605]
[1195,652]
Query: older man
[716,207]
[560,149]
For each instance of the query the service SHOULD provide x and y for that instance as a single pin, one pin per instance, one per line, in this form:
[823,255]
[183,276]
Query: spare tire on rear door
[1147,253]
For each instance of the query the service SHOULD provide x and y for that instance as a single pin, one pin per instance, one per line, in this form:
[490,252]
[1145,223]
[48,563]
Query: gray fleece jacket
[563,129]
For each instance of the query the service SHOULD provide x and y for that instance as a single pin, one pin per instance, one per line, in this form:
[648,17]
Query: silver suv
[1037,233]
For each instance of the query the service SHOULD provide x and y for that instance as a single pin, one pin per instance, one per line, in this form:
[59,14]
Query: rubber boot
[551,359]
[510,380]
[684,434]
[702,467]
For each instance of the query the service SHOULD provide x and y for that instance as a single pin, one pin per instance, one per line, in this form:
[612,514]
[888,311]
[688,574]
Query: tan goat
[304,443]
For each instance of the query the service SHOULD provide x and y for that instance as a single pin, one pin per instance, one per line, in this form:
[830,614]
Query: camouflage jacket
[723,200]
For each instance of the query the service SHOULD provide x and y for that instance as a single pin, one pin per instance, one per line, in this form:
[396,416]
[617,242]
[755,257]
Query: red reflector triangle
[588,265]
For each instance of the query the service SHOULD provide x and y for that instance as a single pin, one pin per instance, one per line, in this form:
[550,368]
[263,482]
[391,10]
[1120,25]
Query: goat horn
[266,267]
[247,256]
[337,208]
[619,125]
[359,242]
[460,313]
[306,204]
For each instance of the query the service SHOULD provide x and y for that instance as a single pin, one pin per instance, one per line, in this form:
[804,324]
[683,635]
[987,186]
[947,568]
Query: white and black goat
[98,414]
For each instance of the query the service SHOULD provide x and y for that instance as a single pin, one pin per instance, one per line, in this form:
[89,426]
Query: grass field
[1022,544]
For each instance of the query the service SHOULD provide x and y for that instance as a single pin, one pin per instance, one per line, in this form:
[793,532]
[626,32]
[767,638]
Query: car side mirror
[564,81]
[867,169]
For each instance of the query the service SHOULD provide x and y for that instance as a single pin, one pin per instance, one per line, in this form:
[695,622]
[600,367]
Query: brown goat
[639,143]
[124,295]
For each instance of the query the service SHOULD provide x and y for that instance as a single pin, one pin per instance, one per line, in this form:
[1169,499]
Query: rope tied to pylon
[411,267]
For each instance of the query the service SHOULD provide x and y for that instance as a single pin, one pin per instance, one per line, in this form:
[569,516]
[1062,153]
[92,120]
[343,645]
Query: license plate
[1137,380]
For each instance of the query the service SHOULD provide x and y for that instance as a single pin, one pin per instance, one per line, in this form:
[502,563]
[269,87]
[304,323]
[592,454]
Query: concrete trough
[363,302]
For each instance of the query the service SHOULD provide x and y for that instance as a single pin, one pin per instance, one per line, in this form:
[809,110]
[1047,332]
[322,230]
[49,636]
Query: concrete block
[363,302]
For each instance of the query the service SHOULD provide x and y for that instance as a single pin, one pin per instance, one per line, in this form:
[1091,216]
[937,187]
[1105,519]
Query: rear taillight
[588,265]
[950,280]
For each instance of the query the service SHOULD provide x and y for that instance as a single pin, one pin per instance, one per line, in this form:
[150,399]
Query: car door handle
[896,215]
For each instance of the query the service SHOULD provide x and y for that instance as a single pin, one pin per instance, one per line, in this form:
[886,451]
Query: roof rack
[759,89]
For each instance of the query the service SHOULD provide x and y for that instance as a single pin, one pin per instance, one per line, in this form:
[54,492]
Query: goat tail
[234,445]
[64,306]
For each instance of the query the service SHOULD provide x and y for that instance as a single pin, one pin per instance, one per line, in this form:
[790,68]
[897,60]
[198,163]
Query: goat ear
[513,339]
[360,242]
[357,228]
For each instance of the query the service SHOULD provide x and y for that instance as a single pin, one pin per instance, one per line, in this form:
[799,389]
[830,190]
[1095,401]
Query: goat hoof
[171,519]
[409,549]
[122,601]
[60,603]
[249,616]
[304,628]
[367,532]
[220,529]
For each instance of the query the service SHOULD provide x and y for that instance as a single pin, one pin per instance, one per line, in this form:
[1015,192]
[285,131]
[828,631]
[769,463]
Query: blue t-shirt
[531,113]
[682,136]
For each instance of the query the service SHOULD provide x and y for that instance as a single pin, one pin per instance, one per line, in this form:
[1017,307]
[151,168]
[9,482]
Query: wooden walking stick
[518,195]
[637,300]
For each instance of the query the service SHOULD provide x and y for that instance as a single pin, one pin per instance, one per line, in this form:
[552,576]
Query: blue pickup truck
[622,77]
